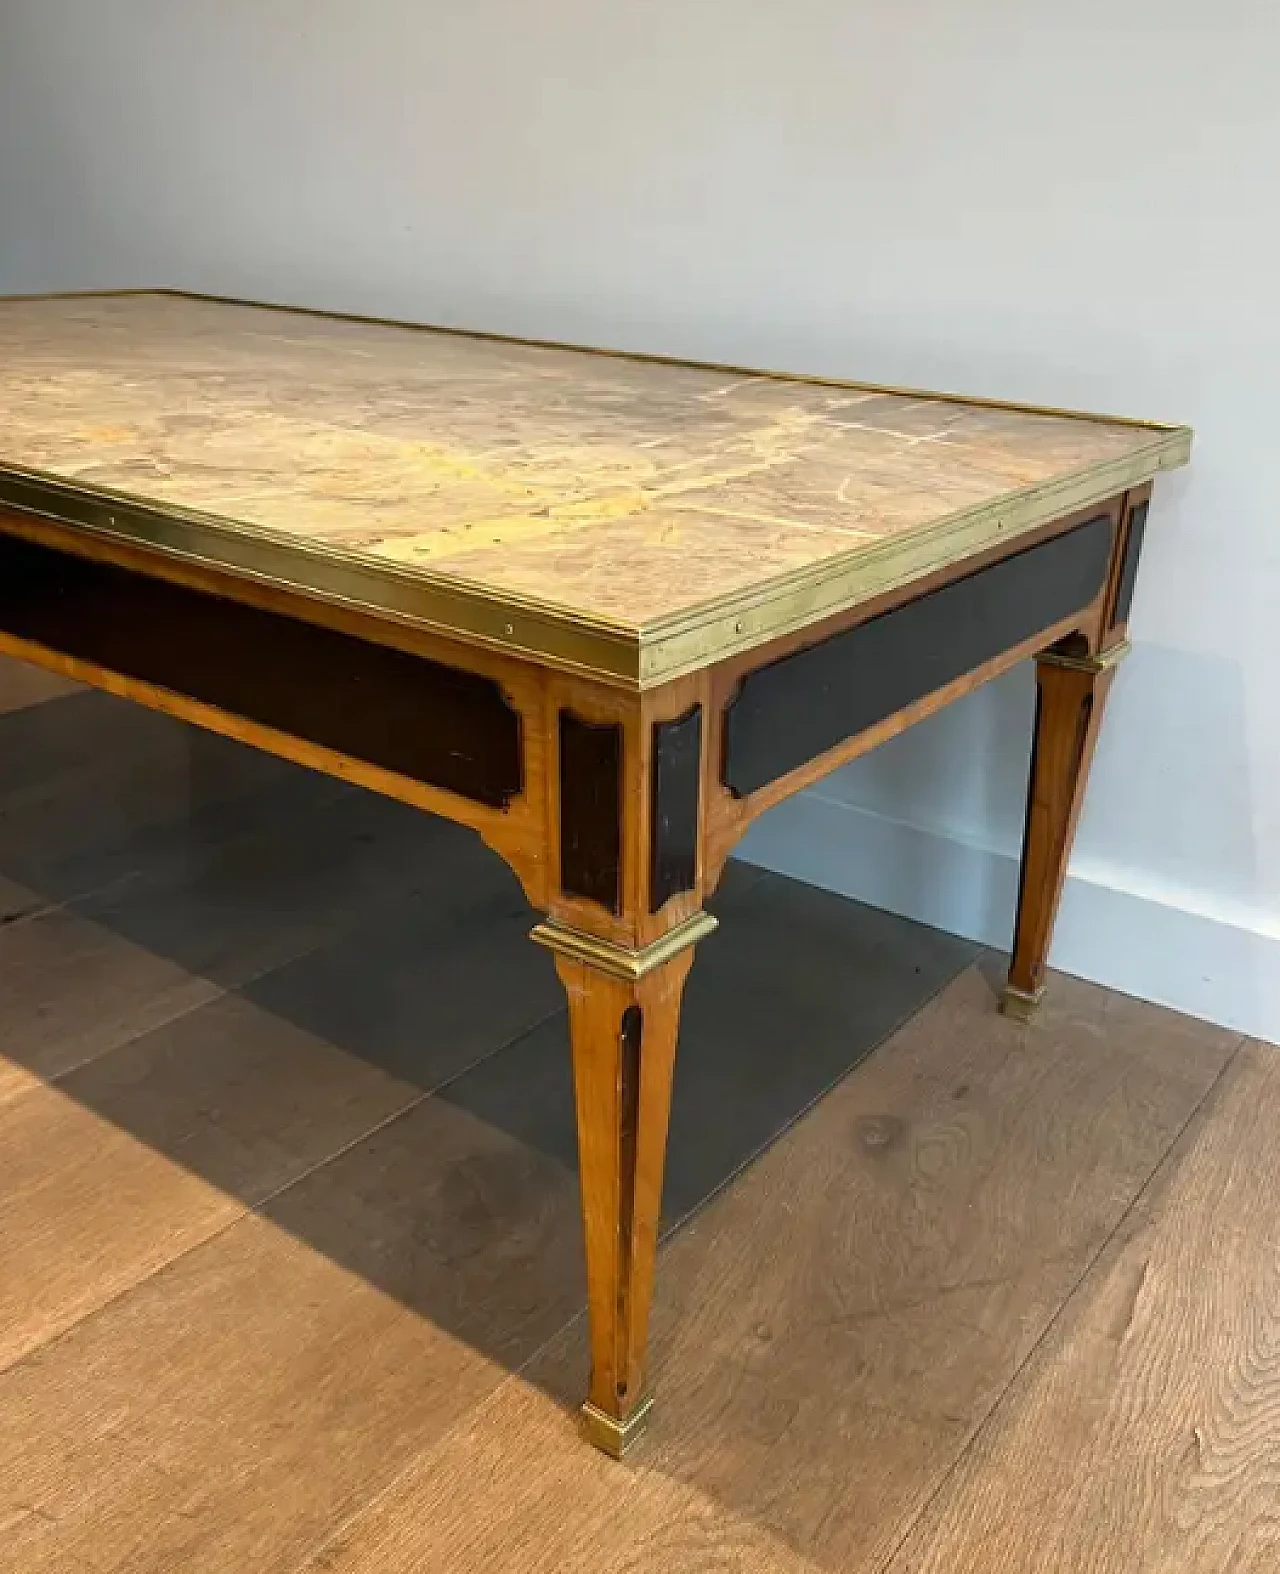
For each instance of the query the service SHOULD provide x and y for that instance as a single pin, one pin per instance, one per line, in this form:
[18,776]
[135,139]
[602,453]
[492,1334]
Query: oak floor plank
[236,1406]
[71,990]
[462,1213]
[22,685]
[145,1152]
[758,1043]
[833,1329]
[84,739]
[263,1298]
[793,990]
[93,789]
[1144,1438]
[17,902]
[258,888]
[425,986]
[251,888]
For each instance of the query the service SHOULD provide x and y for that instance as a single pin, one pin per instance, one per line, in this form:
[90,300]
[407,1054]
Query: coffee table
[604,609]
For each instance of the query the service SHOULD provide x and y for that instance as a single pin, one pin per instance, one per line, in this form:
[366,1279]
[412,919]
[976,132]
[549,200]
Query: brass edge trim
[733,624]
[1102,662]
[632,659]
[618,961]
[1018,1005]
[445,606]
[611,1436]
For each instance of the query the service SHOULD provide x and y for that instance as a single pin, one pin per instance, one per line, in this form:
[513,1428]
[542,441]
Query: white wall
[1070,203]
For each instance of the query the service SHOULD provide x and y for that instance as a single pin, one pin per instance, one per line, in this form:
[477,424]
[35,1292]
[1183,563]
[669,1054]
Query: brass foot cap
[610,1435]
[1020,1005]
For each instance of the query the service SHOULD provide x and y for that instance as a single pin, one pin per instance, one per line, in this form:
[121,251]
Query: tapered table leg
[624,1012]
[1071,694]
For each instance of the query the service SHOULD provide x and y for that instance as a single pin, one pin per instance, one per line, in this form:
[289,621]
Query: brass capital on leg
[1104,661]
[617,961]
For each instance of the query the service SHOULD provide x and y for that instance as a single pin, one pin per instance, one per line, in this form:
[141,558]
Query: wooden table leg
[1071,694]
[624,1013]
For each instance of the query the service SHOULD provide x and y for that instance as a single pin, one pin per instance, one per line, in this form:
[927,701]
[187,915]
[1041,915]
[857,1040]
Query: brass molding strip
[614,1437]
[443,605]
[733,624]
[633,658]
[618,961]
[1102,662]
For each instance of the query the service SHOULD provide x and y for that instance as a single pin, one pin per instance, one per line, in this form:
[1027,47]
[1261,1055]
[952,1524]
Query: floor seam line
[1064,1305]
[57,1078]
[516,1374]
[423,1095]
[221,991]
[250,1210]
[466,1419]
[504,1382]
[665,1235]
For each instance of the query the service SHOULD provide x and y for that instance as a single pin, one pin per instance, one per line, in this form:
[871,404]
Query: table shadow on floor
[401,942]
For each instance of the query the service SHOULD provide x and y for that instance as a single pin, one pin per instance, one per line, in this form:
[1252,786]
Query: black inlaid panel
[1129,569]
[677,755]
[433,723]
[591,810]
[795,709]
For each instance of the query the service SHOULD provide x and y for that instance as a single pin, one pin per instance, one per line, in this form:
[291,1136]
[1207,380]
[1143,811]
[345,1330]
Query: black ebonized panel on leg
[677,761]
[591,810]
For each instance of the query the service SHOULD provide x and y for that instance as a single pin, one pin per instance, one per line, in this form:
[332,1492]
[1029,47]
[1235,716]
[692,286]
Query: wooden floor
[289,1245]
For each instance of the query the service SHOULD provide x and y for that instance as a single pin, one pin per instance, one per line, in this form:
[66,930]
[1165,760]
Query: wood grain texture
[236,1408]
[589,777]
[623,1037]
[133,1159]
[728,816]
[1137,508]
[325,1385]
[592,705]
[259,889]
[1145,1435]
[17,903]
[464,1215]
[838,1324]
[150,1141]
[607,487]
[92,789]
[71,990]
[1069,710]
